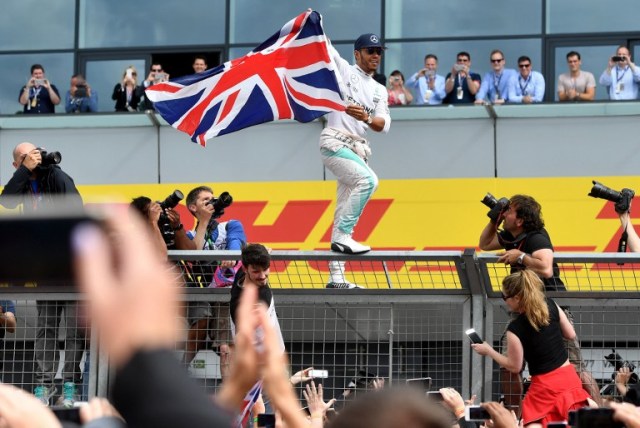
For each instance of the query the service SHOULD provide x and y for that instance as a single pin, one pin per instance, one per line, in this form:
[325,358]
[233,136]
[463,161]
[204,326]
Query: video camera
[220,203]
[496,206]
[49,158]
[622,198]
[164,224]
[617,362]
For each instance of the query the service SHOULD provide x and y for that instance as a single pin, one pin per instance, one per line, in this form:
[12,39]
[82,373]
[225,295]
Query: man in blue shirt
[495,84]
[80,97]
[426,84]
[621,77]
[39,95]
[211,235]
[527,87]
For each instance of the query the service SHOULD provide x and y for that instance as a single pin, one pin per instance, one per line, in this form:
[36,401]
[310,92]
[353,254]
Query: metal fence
[408,323]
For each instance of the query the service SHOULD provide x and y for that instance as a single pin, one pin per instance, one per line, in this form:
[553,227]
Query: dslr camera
[220,203]
[622,198]
[617,58]
[81,90]
[49,158]
[496,206]
[617,362]
[164,224]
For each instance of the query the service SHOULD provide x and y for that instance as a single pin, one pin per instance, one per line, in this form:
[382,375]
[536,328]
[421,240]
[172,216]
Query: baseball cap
[368,40]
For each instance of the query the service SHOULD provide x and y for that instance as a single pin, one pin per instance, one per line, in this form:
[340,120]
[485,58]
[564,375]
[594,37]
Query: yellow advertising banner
[426,214]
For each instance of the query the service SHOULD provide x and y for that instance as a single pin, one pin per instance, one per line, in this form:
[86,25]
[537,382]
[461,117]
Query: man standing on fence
[345,150]
[36,184]
[527,245]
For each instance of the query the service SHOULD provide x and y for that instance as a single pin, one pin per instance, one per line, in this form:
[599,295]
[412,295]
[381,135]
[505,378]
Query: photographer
[39,95]
[622,76]
[633,240]
[461,85]
[211,235]
[38,183]
[80,97]
[156,75]
[152,212]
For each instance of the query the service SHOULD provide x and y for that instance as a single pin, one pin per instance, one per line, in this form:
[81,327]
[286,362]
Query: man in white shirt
[622,76]
[345,150]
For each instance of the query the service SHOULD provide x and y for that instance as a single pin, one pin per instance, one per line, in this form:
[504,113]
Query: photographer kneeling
[80,97]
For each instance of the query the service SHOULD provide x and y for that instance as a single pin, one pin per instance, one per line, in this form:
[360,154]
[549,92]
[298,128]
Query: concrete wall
[550,140]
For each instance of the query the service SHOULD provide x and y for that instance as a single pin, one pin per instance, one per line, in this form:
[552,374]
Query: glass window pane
[342,19]
[37,24]
[459,18]
[104,75]
[408,57]
[16,72]
[594,59]
[591,16]
[150,23]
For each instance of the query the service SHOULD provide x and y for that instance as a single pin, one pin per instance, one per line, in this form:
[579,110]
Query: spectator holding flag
[345,149]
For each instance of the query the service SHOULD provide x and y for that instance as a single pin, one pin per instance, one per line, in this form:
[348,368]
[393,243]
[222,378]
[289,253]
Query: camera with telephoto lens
[220,203]
[168,234]
[617,362]
[496,206]
[622,198]
[49,158]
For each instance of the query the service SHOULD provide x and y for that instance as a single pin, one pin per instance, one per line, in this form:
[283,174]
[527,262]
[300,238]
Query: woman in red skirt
[536,337]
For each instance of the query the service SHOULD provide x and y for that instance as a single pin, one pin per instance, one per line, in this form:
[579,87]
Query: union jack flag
[247,404]
[289,76]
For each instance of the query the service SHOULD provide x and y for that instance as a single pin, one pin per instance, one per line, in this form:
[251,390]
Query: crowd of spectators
[426,86]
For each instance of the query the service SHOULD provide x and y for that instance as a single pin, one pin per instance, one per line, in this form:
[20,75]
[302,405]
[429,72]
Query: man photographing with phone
[39,95]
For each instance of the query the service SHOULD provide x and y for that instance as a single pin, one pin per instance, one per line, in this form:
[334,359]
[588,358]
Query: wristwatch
[369,120]
[521,259]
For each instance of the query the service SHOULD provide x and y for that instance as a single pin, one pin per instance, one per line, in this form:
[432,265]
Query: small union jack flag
[247,404]
[289,76]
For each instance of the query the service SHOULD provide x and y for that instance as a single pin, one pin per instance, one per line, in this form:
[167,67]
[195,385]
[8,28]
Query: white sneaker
[342,285]
[344,243]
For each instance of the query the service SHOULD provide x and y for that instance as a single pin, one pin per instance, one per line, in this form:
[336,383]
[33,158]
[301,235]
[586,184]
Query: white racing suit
[345,150]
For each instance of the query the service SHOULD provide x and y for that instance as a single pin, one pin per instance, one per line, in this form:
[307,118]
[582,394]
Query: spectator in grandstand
[576,85]
[80,98]
[39,95]
[427,84]
[156,75]
[392,408]
[633,241]
[211,235]
[345,150]
[199,63]
[461,84]
[528,245]
[7,324]
[527,87]
[630,391]
[495,84]
[536,336]
[622,76]
[36,186]
[399,95]
[127,93]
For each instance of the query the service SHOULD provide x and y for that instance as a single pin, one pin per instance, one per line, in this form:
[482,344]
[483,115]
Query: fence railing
[407,323]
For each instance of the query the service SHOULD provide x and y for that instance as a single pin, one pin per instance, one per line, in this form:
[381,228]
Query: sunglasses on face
[372,51]
[497,60]
[505,297]
[156,70]
[524,65]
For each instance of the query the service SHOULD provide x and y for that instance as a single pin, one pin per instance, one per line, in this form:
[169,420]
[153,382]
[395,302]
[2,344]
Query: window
[37,24]
[105,23]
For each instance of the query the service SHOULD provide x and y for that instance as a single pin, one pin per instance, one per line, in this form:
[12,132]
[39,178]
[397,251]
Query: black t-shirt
[264,294]
[544,350]
[529,243]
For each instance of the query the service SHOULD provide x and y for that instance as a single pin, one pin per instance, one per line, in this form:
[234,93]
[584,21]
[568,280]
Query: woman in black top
[536,337]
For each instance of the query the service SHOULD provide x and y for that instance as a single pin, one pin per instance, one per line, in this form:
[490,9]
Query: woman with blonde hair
[127,93]
[536,336]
